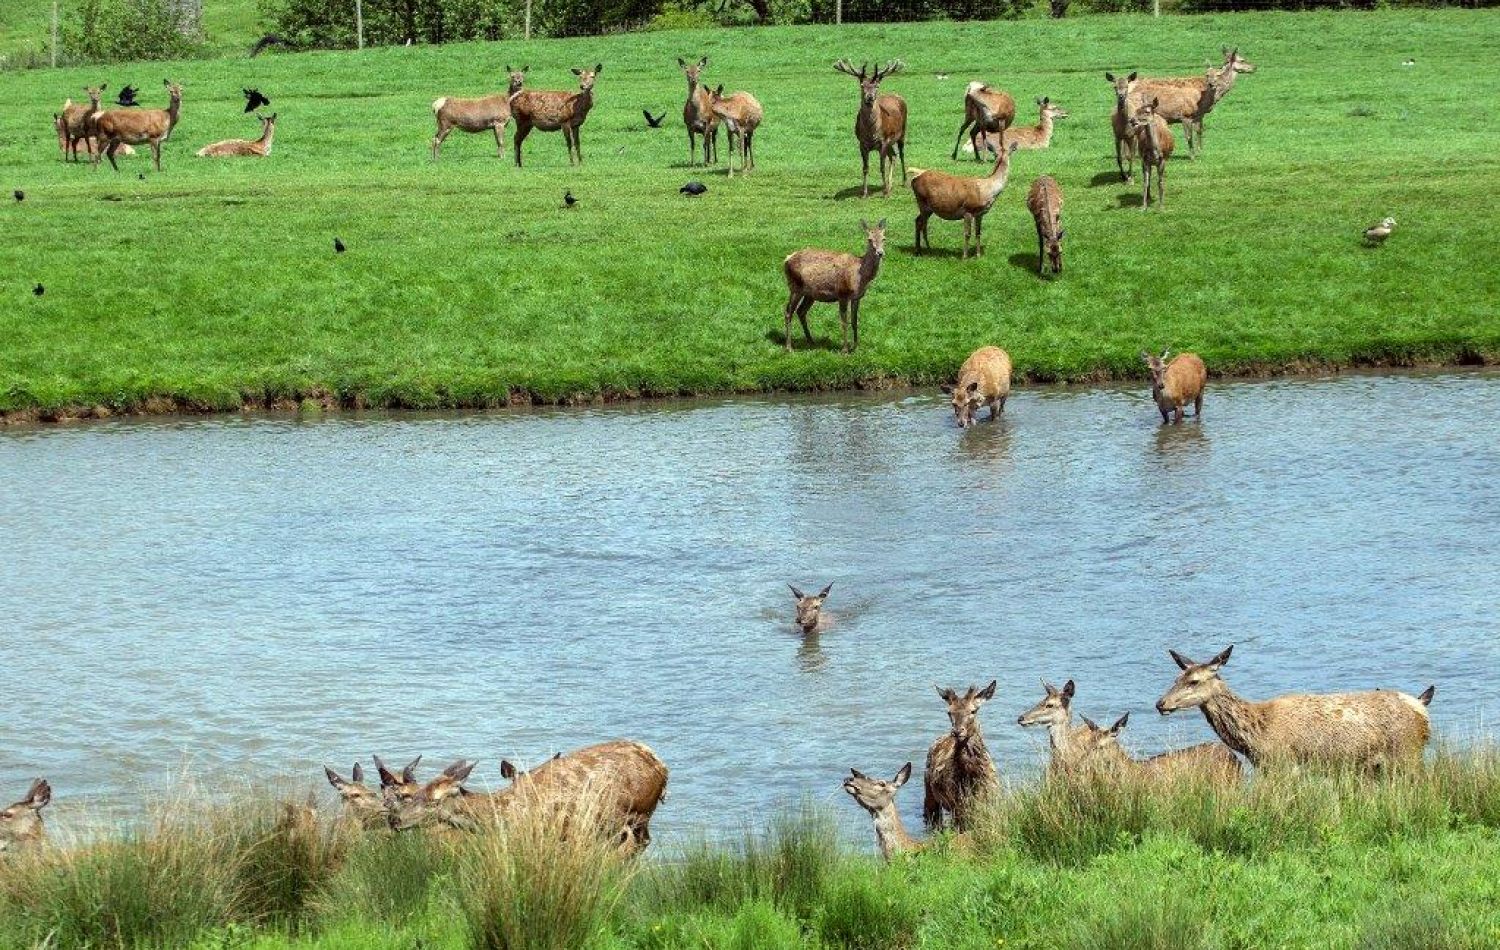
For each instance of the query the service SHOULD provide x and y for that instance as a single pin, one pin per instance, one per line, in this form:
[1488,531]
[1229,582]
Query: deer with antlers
[551,111]
[881,123]
[152,127]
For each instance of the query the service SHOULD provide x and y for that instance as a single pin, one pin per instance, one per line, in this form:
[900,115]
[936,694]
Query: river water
[243,599]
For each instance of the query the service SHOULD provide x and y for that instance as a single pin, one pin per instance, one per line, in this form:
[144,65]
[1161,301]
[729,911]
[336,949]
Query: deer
[818,276]
[810,609]
[395,787]
[1371,731]
[1175,384]
[77,122]
[364,807]
[983,380]
[1210,762]
[549,111]
[986,112]
[21,826]
[1154,144]
[741,114]
[878,797]
[958,198]
[698,114]
[90,143]
[959,768]
[1028,136]
[487,113]
[237,148]
[1187,99]
[1045,201]
[1055,711]
[1119,121]
[137,127]
[880,126]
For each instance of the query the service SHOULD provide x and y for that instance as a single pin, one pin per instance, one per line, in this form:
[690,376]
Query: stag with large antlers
[881,124]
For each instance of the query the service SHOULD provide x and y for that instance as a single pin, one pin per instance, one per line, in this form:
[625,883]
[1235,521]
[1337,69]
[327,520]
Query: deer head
[360,801]
[21,823]
[693,71]
[173,90]
[1123,87]
[1050,109]
[517,79]
[1055,709]
[586,77]
[1195,685]
[874,238]
[95,92]
[967,401]
[1233,61]
[432,803]
[869,83]
[397,788]
[1143,117]
[809,608]
[875,795]
[1158,367]
[963,710]
[1100,739]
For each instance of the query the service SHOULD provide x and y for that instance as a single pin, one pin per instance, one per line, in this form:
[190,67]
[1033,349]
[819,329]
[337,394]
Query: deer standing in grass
[1175,384]
[232,148]
[477,115]
[983,380]
[878,797]
[1371,731]
[987,112]
[818,276]
[138,127]
[21,826]
[550,111]
[959,768]
[1154,144]
[1045,201]
[810,609]
[741,114]
[881,123]
[1210,762]
[698,114]
[1119,121]
[77,122]
[1055,711]
[1028,136]
[958,198]
[1188,99]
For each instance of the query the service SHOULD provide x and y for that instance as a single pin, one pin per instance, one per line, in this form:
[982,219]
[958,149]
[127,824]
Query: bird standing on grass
[1381,231]
[39,290]
[338,246]
[568,199]
[126,98]
[254,100]
[20,195]
[693,189]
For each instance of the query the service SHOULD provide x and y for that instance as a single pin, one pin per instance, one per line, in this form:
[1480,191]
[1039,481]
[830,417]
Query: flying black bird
[270,39]
[568,199]
[693,188]
[126,97]
[338,246]
[651,122]
[39,290]
[254,100]
[20,195]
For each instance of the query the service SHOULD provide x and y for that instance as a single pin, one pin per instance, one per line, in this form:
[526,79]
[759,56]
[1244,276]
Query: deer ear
[578,72]
[1067,689]
[881,225]
[1145,357]
[945,694]
[1131,77]
[1181,661]
[946,389]
[1091,723]
[824,592]
[526,69]
[598,68]
[387,777]
[1119,724]
[1061,235]
[681,62]
[719,91]
[1221,659]
[1165,354]
[796,592]
[903,775]
[333,777]
[986,694]
[703,61]
[409,774]
[39,795]
[507,770]
[973,387]
[857,773]
[357,776]
[459,770]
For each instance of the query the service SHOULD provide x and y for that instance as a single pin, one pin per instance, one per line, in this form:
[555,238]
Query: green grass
[214,284]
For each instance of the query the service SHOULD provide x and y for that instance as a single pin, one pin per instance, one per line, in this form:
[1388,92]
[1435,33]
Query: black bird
[693,188]
[126,98]
[338,246]
[141,176]
[20,195]
[39,290]
[254,100]
[654,123]
[568,199]
[270,39]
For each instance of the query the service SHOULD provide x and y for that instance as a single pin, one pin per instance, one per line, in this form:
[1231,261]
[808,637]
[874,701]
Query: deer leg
[692,147]
[901,150]
[1145,184]
[854,316]
[864,160]
[578,142]
[1198,406]
[802,310]
[500,137]
[791,307]
[960,140]
[917,241]
[523,129]
[156,153]
[932,812]
[885,170]
[437,140]
[978,235]
[111,155]
[1041,252]
[844,322]
[1161,186]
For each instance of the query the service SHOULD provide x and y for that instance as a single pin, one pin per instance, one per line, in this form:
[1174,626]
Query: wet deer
[551,111]
[959,198]
[959,768]
[138,127]
[235,148]
[1209,762]
[880,126]
[1372,731]
[1045,201]
[987,114]
[698,114]
[1055,711]
[21,826]
[484,114]
[983,380]
[741,114]
[1175,384]
[1154,145]
[810,609]
[77,121]
[817,276]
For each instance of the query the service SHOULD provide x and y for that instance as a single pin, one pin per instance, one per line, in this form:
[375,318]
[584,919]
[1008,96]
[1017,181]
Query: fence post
[1156,8]
[359,23]
[54,34]
[528,19]
[838,11]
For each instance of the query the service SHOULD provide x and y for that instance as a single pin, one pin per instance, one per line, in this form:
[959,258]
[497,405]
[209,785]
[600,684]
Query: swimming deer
[958,198]
[1055,711]
[698,114]
[137,127]
[983,380]
[1033,136]
[1119,121]
[1045,201]
[487,113]
[881,123]
[1187,99]
[231,148]
[959,767]
[987,112]
[1175,384]
[818,276]
[21,825]
[741,114]
[77,121]
[549,111]
[363,806]
[1154,144]
[810,609]
[1371,730]
[1210,762]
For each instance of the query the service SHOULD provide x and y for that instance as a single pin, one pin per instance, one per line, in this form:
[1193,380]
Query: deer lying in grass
[1154,144]
[880,125]
[957,198]
[550,111]
[810,609]
[364,807]
[698,114]
[1188,99]
[818,276]
[959,768]
[1209,762]
[878,797]
[487,113]
[1371,731]
[1175,384]
[233,148]
[21,826]
[1119,121]
[1027,136]
[741,114]
[1045,201]
[987,114]
[77,121]
[983,380]
[138,127]
[1055,711]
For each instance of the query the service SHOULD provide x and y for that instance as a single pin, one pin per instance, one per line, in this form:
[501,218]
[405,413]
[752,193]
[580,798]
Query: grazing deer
[137,127]
[21,825]
[477,115]
[363,806]
[1210,762]
[958,198]
[810,609]
[1187,99]
[959,767]
[741,114]
[1045,201]
[818,276]
[1175,384]
[1371,730]
[549,111]
[987,112]
[698,114]
[1119,120]
[1055,711]
[1031,136]
[1154,144]
[231,148]
[77,121]
[983,380]
[881,123]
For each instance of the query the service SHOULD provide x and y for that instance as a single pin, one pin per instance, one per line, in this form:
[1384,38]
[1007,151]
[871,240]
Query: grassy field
[214,285]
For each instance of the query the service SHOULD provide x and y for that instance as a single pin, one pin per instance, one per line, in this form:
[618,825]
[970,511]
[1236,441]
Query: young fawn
[983,380]
[818,276]
[1045,201]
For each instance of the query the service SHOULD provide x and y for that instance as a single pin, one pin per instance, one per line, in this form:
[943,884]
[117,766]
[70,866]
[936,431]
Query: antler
[844,67]
[894,66]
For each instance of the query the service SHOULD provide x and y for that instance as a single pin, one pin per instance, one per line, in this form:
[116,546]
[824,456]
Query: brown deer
[881,123]
[397,788]
[810,609]
[1055,711]
[1372,730]
[77,121]
[1210,762]
[21,825]
[1119,120]
[363,806]
[487,113]
[1031,136]
[987,112]
[1045,202]
[959,768]
[549,111]
[818,276]
[137,127]
[983,380]
[698,114]
[232,148]
[1175,384]
[1154,144]
[959,198]
[741,114]
[1187,99]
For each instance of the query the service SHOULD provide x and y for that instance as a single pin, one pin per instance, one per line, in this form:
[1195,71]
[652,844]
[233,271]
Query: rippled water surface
[252,598]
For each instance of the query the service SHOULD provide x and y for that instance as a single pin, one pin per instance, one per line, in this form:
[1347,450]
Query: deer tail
[437,104]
